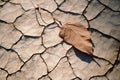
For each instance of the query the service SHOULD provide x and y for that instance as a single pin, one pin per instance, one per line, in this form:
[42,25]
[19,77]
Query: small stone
[63,71]
[28,24]
[53,32]
[76,6]
[8,59]
[10,12]
[8,35]
[28,46]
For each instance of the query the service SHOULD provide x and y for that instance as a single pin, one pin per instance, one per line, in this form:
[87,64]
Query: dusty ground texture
[30,48]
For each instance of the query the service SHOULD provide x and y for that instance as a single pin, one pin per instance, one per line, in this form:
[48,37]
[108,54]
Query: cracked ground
[30,48]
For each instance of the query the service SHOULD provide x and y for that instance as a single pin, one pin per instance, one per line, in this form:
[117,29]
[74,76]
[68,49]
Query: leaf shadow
[84,56]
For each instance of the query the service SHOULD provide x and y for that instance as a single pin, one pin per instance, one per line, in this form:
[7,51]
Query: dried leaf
[78,36]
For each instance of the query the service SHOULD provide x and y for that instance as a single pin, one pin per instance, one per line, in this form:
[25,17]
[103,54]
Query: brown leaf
[78,36]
